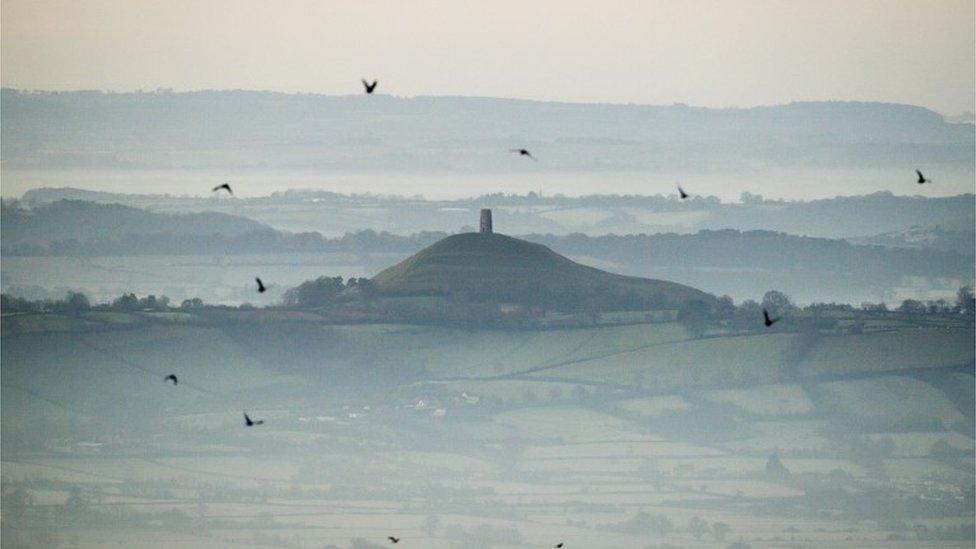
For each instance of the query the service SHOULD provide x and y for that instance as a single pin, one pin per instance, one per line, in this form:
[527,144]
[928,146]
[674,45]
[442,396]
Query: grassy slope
[502,268]
[893,350]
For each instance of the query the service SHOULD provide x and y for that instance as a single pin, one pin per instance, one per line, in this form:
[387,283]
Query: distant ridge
[267,130]
[499,268]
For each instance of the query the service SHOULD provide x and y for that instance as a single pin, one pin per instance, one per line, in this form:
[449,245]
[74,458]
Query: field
[610,436]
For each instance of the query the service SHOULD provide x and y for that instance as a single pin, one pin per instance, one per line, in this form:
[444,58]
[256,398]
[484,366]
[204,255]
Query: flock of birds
[369,88]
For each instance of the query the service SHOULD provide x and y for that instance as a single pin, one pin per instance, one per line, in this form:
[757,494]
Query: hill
[80,221]
[266,130]
[494,267]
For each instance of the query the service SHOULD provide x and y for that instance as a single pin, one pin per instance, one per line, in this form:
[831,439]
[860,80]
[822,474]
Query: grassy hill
[494,267]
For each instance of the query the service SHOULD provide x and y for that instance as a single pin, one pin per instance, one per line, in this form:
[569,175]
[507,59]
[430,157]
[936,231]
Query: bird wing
[920,176]
[766,315]
[246,418]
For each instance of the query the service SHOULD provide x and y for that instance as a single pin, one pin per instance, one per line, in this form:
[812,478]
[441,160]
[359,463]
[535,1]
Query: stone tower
[485,221]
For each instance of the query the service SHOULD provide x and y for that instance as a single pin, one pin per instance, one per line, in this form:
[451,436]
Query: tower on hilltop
[485,221]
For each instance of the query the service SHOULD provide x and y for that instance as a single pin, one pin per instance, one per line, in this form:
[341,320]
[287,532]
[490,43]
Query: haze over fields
[445,275]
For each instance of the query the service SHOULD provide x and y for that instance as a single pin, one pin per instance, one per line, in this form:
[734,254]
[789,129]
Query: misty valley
[239,318]
[474,389]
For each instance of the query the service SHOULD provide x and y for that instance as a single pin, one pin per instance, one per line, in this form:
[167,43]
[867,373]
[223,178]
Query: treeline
[699,317]
[358,300]
[75,303]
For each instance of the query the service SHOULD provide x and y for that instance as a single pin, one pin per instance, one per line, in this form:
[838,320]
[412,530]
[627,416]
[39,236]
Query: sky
[704,53]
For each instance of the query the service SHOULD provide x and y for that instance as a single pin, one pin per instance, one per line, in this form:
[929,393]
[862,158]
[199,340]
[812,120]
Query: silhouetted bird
[370,87]
[559,545]
[393,539]
[769,321]
[522,152]
[682,192]
[171,377]
[223,186]
[261,288]
[250,423]
[921,178]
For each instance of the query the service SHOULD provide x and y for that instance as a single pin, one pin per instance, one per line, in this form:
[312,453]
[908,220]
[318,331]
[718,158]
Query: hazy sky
[710,53]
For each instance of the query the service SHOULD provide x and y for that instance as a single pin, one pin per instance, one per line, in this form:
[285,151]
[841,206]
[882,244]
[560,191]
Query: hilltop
[494,267]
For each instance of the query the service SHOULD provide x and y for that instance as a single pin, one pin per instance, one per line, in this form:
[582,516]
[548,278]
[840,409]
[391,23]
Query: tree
[724,308]
[152,303]
[720,530]
[874,307]
[10,304]
[695,315]
[126,302]
[190,304]
[697,526]
[912,307]
[367,288]
[965,300]
[77,303]
[776,302]
[315,293]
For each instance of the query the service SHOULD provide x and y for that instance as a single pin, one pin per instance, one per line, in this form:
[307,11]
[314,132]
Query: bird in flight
[393,539]
[171,377]
[769,321]
[522,152]
[251,423]
[559,545]
[261,288]
[682,192]
[370,87]
[223,186]
[921,178]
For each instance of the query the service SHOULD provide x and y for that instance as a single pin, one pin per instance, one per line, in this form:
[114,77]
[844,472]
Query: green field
[511,439]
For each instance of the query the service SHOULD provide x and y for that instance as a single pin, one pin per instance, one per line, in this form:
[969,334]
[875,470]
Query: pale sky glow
[709,53]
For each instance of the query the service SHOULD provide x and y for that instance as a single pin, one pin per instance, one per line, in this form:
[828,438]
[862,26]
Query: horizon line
[189,91]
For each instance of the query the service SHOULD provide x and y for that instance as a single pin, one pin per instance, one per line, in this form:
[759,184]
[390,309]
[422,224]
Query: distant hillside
[335,214]
[955,237]
[80,221]
[504,269]
[254,129]
[925,263]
